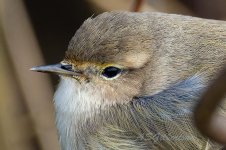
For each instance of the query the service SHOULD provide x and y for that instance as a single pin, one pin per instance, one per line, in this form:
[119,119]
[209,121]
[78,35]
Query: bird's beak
[60,69]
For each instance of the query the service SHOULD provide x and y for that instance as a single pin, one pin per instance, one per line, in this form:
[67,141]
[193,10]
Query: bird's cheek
[117,93]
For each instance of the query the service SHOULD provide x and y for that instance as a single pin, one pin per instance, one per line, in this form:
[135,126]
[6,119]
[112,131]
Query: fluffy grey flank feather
[161,121]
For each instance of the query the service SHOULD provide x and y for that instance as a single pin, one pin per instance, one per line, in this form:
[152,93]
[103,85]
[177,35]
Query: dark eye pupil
[111,72]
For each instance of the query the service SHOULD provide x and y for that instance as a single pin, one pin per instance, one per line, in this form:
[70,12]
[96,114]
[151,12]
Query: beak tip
[33,69]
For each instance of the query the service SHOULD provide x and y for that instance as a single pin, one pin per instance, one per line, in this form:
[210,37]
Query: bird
[131,81]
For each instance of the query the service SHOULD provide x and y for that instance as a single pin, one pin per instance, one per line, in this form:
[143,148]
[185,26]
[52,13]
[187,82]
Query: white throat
[72,97]
[74,104]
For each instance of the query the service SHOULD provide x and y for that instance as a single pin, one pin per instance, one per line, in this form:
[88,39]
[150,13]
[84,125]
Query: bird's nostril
[67,67]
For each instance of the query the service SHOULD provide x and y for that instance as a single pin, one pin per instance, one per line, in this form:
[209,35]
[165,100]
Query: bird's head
[107,56]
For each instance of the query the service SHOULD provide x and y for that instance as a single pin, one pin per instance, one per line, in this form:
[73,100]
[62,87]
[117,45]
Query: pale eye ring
[111,72]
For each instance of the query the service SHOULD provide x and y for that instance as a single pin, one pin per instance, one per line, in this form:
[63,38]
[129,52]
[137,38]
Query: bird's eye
[111,72]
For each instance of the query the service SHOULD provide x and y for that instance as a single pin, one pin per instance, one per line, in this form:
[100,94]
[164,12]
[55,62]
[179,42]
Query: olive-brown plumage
[131,80]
